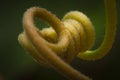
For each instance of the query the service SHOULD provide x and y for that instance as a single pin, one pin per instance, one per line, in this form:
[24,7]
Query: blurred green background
[15,64]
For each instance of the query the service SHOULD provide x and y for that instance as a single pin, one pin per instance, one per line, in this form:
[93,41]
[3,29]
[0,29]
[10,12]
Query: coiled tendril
[73,36]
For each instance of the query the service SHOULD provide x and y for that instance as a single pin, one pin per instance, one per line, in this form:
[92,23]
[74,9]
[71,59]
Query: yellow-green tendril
[72,36]
[34,39]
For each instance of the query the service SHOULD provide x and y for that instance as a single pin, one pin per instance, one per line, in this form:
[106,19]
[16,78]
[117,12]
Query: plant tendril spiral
[65,39]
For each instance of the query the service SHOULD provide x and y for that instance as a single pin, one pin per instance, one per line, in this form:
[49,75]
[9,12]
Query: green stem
[111,21]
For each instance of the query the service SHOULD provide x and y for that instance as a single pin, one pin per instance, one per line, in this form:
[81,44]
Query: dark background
[15,64]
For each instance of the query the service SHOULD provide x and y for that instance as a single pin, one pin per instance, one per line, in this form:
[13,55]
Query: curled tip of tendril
[42,46]
[72,36]
[75,34]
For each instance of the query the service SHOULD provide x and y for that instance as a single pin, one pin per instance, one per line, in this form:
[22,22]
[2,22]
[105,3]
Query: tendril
[72,36]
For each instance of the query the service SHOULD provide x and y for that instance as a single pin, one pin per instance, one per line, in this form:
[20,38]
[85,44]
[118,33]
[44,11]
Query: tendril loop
[65,39]
[75,34]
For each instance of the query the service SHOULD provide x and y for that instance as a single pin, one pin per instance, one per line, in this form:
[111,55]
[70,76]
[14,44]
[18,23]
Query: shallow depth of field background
[16,64]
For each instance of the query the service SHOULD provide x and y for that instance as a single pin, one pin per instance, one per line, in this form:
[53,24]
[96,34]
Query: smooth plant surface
[72,36]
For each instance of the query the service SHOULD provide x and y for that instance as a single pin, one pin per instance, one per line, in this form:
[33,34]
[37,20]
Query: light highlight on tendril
[73,36]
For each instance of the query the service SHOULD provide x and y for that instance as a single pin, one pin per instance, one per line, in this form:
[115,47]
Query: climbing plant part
[72,36]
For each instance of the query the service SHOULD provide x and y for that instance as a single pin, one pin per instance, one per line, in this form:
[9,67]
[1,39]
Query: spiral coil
[73,36]
[75,24]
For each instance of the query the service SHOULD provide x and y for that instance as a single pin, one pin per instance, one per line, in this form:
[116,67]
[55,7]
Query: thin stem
[111,21]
